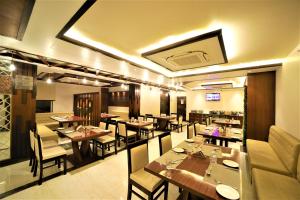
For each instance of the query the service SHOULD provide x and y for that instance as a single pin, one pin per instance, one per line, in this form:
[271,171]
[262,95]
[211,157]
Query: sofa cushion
[286,147]
[262,156]
[269,185]
[46,133]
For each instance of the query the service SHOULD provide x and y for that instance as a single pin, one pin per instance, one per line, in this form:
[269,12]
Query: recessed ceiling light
[12,67]
[96,82]
[84,80]
[49,80]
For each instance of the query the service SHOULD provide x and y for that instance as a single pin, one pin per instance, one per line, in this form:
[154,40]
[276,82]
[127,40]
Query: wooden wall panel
[23,112]
[260,105]
[134,100]
[104,100]
[118,99]
[165,102]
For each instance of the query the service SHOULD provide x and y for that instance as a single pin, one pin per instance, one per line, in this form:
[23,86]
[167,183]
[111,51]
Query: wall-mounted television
[212,96]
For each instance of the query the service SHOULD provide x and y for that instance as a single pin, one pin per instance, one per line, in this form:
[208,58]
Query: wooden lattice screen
[87,106]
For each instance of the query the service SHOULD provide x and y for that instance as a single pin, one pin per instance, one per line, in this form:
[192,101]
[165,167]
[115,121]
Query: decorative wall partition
[87,106]
[5,112]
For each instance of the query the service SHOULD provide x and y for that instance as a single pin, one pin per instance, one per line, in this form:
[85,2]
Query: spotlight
[84,80]
[96,82]
[12,67]
[49,81]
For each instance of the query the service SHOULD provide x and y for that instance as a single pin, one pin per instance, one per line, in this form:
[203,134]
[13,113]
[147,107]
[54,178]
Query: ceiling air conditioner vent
[188,58]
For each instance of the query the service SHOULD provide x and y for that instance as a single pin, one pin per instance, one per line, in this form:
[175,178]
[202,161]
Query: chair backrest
[191,131]
[31,136]
[165,142]
[122,129]
[150,119]
[113,129]
[137,155]
[141,118]
[38,147]
[207,121]
[174,115]
[286,147]
[102,125]
[199,128]
[180,119]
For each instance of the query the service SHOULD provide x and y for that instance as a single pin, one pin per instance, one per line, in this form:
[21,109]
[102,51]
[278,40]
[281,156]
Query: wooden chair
[178,123]
[44,155]
[106,140]
[127,135]
[141,118]
[149,128]
[199,128]
[191,133]
[138,177]
[165,142]
[103,125]
[32,155]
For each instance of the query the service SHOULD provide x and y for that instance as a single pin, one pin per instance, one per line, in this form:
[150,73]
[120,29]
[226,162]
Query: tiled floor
[104,179]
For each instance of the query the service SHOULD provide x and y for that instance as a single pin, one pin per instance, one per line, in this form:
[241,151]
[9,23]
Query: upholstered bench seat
[279,154]
[105,139]
[262,156]
[53,152]
[146,180]
[269,185]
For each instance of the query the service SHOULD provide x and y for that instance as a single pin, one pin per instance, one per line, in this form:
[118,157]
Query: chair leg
[41,173]
[65,164]
[129,192]
[58,162]
[103,150]
[116,150]
[181,127]
[166,191]
[31,158]
[33,164]
[35,168]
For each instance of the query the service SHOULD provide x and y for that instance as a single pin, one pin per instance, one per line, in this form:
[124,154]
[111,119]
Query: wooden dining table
[82,154]
[137,126]
[67,119]
[225,137]
[189,171]
[163,121]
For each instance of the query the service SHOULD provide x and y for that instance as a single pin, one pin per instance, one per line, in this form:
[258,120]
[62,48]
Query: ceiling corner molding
[75,17]
[200,51]
[14,17]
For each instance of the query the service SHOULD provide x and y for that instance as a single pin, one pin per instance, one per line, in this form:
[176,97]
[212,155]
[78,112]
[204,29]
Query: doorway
[181,107]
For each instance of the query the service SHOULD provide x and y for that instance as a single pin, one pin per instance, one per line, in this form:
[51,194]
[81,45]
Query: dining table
[163,121]
[194,173]
[229,135]
[67,119]
[82,154]
[137,125]
[227,122]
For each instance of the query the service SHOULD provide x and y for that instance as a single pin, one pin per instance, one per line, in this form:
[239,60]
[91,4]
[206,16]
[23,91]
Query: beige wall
[288,94]
[63,94]
[150,100]
[231,100]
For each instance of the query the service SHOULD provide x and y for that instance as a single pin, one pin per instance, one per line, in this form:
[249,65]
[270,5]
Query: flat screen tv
[213,97]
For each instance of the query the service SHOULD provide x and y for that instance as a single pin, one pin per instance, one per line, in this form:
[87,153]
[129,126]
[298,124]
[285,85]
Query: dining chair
[103,125]
[149,128]
[165,142]
[177,123]
[199,128]
[141,118]
[44,155]
[191,131]
[137,155]
[127,135]
[32,155]
[106,141]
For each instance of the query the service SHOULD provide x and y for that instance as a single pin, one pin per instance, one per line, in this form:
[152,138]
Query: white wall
[288,94]
[150,100]
[63,94]
[231,100]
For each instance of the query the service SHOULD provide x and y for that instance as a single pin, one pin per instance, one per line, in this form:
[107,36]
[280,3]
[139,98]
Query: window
[44,106]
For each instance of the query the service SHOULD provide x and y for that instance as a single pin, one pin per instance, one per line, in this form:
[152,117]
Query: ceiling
[252,30]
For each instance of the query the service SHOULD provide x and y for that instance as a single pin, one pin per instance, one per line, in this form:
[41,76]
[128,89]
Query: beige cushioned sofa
[44,119]
[279,154]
